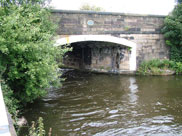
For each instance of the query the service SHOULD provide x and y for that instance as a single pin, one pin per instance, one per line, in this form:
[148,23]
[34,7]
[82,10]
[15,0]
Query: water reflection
[133,97]
[111,105]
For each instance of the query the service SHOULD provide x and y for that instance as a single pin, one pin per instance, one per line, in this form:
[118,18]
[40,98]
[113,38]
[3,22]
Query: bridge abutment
[142,30]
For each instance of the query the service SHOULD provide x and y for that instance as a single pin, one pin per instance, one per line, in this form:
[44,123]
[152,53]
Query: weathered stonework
[144,30]
[98,56]
[75,22]
[149,46]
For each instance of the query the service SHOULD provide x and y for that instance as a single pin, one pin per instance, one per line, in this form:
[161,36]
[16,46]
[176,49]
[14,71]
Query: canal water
[111,105]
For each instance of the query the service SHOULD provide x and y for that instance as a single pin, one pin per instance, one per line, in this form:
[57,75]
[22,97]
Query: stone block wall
[76,23]
[98,56]
[110,59]
[149,46]
[144,30]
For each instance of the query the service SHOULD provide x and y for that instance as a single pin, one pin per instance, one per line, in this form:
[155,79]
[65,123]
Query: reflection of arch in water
[117,60]
[102,38]
[133,90]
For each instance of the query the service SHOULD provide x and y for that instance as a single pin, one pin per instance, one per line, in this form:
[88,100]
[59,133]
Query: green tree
[91,8]
[5,3]
[173,33]
[27,55]
[179,1]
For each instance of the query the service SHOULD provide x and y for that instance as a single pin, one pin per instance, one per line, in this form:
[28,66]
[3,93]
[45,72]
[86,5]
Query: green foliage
[64,49]
[155,71]
[91,8]
[176,53]
[158,67]
[7,3]
[173,33]
[179,1]
[178,68]
[37,129]
[27,55]
[10,101]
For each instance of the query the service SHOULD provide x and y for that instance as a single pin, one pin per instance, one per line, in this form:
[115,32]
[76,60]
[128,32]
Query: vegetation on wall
[173,33]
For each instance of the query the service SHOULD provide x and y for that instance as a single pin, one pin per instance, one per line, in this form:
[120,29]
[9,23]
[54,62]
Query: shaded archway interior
[98,56]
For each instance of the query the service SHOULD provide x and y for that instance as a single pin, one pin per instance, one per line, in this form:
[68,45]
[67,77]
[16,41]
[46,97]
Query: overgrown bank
[28,65]
[160,67]
[172,31]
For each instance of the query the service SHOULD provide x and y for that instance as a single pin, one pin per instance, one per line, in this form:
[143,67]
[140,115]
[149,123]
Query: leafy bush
[157,67]
[10,101]
[173,33]
[27,55]
[178,68]
[176,53]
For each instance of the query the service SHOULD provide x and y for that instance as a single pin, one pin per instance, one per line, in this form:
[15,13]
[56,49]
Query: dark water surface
[112,105]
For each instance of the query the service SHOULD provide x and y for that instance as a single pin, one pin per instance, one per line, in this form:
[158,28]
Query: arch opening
[111,54]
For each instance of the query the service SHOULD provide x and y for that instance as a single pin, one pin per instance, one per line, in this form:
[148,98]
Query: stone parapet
[78,22]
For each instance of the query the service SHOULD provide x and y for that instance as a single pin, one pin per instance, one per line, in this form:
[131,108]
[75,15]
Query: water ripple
[112,105]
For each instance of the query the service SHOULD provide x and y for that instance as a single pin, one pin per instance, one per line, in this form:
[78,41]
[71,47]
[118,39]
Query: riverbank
[160,67]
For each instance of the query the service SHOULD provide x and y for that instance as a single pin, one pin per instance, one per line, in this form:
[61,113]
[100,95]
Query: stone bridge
[110,42]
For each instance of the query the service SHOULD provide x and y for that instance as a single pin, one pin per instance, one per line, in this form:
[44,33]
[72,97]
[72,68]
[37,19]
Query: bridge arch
[102,38]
